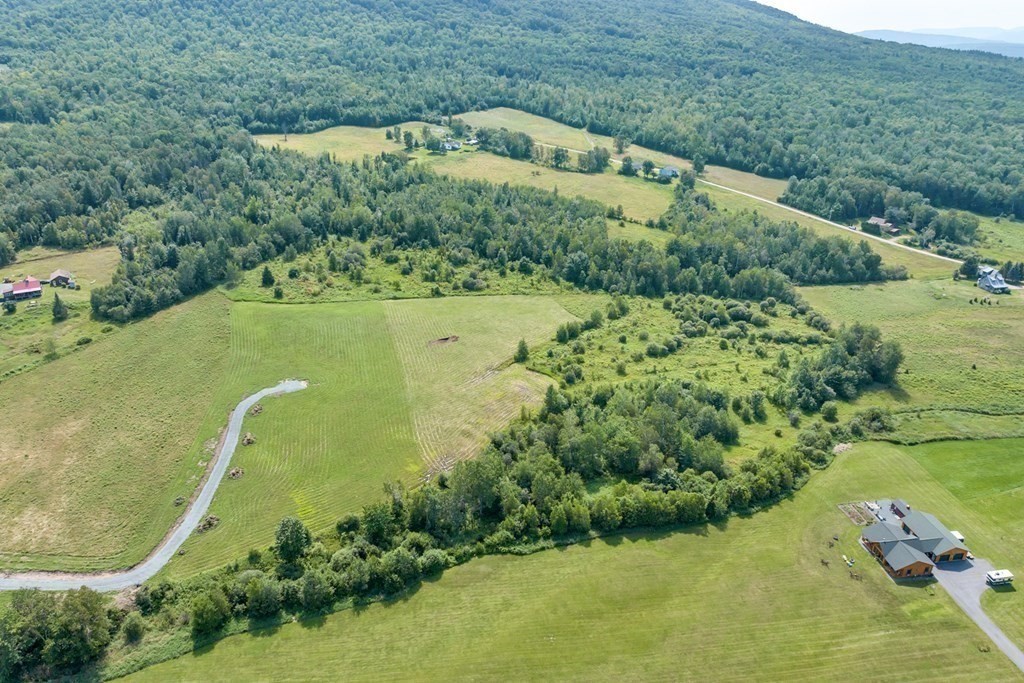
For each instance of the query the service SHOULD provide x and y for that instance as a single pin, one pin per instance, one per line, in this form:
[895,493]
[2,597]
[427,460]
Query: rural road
[112,581]
[805,214]
[965,583]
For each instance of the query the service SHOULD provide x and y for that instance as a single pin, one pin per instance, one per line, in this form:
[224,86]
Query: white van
[998,577]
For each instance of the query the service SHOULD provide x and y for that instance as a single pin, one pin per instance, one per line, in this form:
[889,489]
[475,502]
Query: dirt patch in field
[236,473]
[858,513]
[256,409]
[445,340]
[248,439]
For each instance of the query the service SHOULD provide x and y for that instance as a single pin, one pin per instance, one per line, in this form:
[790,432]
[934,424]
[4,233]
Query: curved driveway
[112,581]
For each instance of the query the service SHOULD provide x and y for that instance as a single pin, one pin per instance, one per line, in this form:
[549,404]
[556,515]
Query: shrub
[292,539]
[133,628]
[210,611]
[82,341]
[830,411]
[278,293]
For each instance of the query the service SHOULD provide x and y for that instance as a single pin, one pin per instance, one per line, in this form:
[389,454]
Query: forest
[108,107]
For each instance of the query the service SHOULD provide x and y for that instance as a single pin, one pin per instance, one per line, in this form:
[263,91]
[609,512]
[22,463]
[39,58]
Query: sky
[905,15]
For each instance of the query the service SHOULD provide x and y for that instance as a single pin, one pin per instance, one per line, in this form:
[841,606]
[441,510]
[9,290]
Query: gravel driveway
[113,581]
[965,582]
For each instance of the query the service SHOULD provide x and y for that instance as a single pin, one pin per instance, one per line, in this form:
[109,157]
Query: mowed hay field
[747,601]
[383,405]
[460,391]
[93,446]
[958,354]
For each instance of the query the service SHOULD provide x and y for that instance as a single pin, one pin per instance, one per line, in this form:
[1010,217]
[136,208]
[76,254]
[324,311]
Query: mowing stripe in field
[461,390]
[329,449]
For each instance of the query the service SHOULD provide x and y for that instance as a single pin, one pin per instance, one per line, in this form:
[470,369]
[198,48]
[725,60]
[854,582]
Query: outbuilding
[60,278]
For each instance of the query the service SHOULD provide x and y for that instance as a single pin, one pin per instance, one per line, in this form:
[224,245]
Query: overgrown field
[29,335]
[749,600]
[95,446]
[958,353]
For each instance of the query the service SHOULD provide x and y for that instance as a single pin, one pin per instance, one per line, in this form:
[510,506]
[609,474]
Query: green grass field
[95,446]
[749,600]
[344,143]
[958,354]
[24,334]
[1001,239]
[384,404]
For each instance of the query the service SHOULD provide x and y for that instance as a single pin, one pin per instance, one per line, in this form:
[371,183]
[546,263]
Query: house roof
[875,220]
[933,536]
[885,532]
[992,277]
[29,284]
[903,555]
[60,272]
[5,287]
[900,505]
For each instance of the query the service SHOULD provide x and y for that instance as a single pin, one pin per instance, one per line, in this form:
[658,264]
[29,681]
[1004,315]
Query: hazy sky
[861,15]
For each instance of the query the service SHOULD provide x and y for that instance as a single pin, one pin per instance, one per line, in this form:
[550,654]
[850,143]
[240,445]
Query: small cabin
[60,278]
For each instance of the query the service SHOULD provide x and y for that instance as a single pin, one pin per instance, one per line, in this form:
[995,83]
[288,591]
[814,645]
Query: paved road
[805,214]
[112,581]
[965,583]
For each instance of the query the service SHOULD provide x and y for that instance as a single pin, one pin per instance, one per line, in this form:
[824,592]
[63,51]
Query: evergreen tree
[522,352]
[268,277]
[60,309]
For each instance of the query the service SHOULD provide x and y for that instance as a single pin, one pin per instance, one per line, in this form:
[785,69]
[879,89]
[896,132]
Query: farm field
[551,132]
[747,600]
[25,334]
[99,448]
[380,403]
[958,354]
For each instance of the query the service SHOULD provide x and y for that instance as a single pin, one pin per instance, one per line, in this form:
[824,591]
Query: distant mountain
[942,38]
[987,34]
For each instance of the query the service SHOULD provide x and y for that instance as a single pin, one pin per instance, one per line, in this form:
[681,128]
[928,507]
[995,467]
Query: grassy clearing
[383,405]
[640,199]
[1001,239]
[93,451]
[748,600]
[958,354]
[24,335]
[635,232]
[343,143]
[551,132]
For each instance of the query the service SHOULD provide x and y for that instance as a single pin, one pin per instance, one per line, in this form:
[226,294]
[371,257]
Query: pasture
[959,354]
[384,404]
[1001,239]
[745,600]
[26,335]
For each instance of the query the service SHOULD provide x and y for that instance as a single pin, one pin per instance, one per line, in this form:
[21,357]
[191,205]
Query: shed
[668,172]
[60,278]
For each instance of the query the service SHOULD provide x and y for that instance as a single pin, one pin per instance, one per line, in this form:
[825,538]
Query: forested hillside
[122,100]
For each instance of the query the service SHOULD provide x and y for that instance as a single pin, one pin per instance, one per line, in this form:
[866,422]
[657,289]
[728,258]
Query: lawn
[95,446]
[749,600]
[384,404]
[958,354]
[24,335]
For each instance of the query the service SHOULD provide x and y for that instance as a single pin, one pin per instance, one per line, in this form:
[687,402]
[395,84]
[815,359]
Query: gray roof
[932,535]
[991,279]
[903,555]
[885,532]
